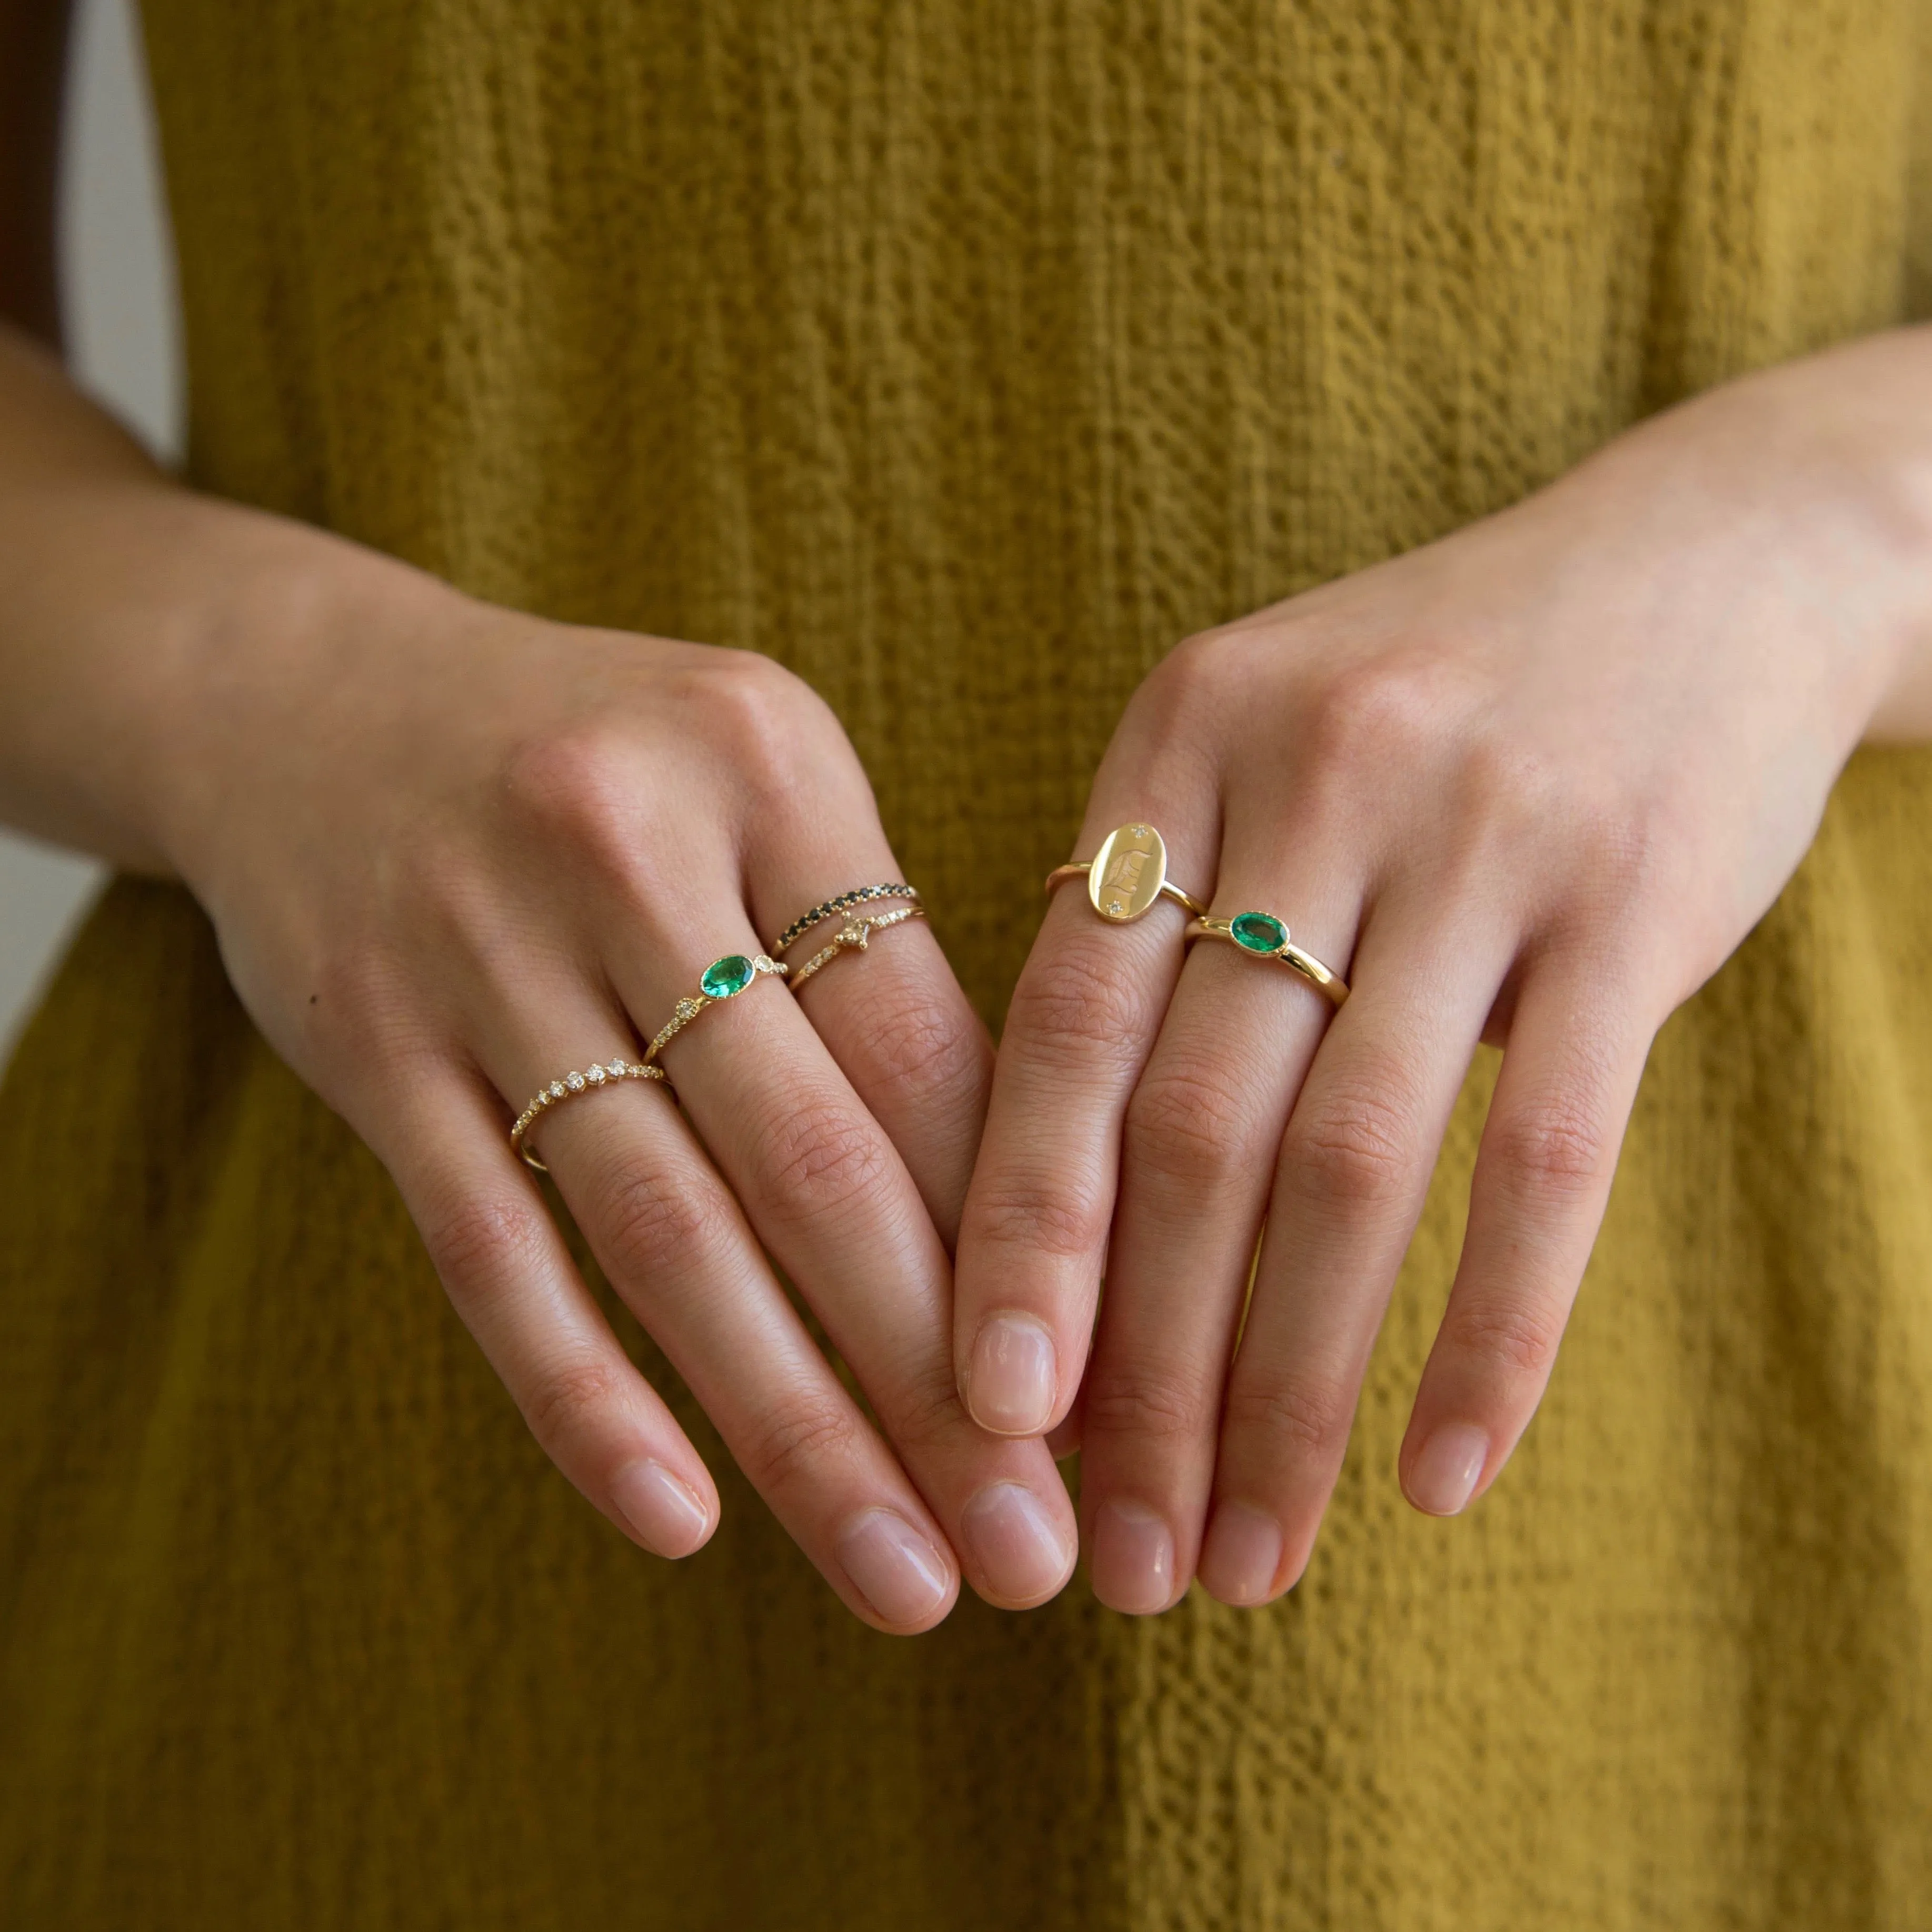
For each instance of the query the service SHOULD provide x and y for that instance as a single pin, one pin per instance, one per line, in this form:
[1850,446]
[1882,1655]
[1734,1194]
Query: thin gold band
[843,902]
[1255,934]
[853,937]
[724,979]
[1059,876]
[568,1088]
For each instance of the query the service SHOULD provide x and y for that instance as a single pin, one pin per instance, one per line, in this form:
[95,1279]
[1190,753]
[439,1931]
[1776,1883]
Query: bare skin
[452,852]
[1531,784]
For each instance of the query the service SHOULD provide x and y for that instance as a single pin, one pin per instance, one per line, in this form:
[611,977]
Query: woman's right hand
[452,853]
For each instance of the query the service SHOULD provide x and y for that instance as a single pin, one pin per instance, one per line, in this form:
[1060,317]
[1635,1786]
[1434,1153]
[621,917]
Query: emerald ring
[1264,937]
[724,979]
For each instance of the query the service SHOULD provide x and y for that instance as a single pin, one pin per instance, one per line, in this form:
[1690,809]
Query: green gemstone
[1258,932]
[723,977]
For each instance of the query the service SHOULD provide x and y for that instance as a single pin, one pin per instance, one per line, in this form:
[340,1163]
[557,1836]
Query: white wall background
[123,337]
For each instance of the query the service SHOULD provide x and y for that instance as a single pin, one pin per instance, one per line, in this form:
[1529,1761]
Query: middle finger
[831,1202]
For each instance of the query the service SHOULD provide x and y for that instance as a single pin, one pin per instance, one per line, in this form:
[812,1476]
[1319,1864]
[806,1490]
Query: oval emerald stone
[1258,932]
[723,977]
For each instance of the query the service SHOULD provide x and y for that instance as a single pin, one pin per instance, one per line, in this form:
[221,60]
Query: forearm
[129,606]
[1888,439]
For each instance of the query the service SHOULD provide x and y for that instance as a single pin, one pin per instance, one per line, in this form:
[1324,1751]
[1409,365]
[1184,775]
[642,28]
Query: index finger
[1033,1241]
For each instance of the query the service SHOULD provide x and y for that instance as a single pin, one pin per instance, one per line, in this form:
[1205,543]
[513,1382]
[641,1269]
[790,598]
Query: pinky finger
[1543,1177]
[509,1276]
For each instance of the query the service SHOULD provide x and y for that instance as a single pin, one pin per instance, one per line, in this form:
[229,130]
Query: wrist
[1839,446]
[278,669]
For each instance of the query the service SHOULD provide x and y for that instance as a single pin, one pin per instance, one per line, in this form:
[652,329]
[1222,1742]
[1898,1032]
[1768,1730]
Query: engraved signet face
[1128,873]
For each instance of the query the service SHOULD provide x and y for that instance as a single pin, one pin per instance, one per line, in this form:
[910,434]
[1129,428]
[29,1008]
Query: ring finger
[1354,1167]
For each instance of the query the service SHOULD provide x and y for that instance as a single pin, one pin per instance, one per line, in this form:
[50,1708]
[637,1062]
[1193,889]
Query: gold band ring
[1126,876]
[723,980]
[568,1088]
[1264,937]
[853,937]
[844,902]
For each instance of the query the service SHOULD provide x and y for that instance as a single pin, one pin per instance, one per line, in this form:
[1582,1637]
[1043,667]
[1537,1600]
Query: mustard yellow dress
[964,355]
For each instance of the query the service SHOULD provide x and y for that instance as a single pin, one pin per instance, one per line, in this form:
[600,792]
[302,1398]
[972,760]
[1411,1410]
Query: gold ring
[1266,938]
[825,908]
[853,937]
[723,980]
[568,1088]
[1126,876]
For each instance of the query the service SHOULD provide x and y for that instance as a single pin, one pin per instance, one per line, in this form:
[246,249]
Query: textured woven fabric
[965,354]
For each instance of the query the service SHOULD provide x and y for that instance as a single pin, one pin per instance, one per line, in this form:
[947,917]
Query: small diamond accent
[595,1074]
[574,1081]
[616,1070]
[557,1090]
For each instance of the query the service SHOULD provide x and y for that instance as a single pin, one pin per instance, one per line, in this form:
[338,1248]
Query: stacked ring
[853,937]
[568,1088]
[723,980]
[1126,876]
[825,908]
[1262,936]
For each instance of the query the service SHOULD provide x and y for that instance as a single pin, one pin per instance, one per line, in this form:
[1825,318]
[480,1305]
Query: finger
[892,1015]
[1033,1242]
[1063,1439]
[1575,1054]
[1203,1130]
[510,1277]
[826,1191]
[1349,1184]
[671,1238]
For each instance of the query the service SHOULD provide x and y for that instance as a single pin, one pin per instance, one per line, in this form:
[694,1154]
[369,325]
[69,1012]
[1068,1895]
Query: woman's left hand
[1531,784]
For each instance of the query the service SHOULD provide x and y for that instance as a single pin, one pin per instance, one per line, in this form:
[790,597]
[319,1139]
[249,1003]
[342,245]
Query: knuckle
[1144,1405]
[762,718]
[570,1405]
[1197,680]
[1390,704]
[923,1411]
[1078,1003]
[1351,1144]
[1185,1124]
[1553,1148]
[578,787]
[816,1160]
[915,1043]
[1518,1333]
[1301,1415]
[790,1447]
[650,1221]
[1062,1221]
[483,1240]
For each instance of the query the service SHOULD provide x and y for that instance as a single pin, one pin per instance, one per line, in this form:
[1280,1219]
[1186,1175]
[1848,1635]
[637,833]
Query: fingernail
[893,1567]
[1240,1554]
[1010,1385]
[1133,1559]
[1445,1474]
[664,1512]
[1021,1551]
